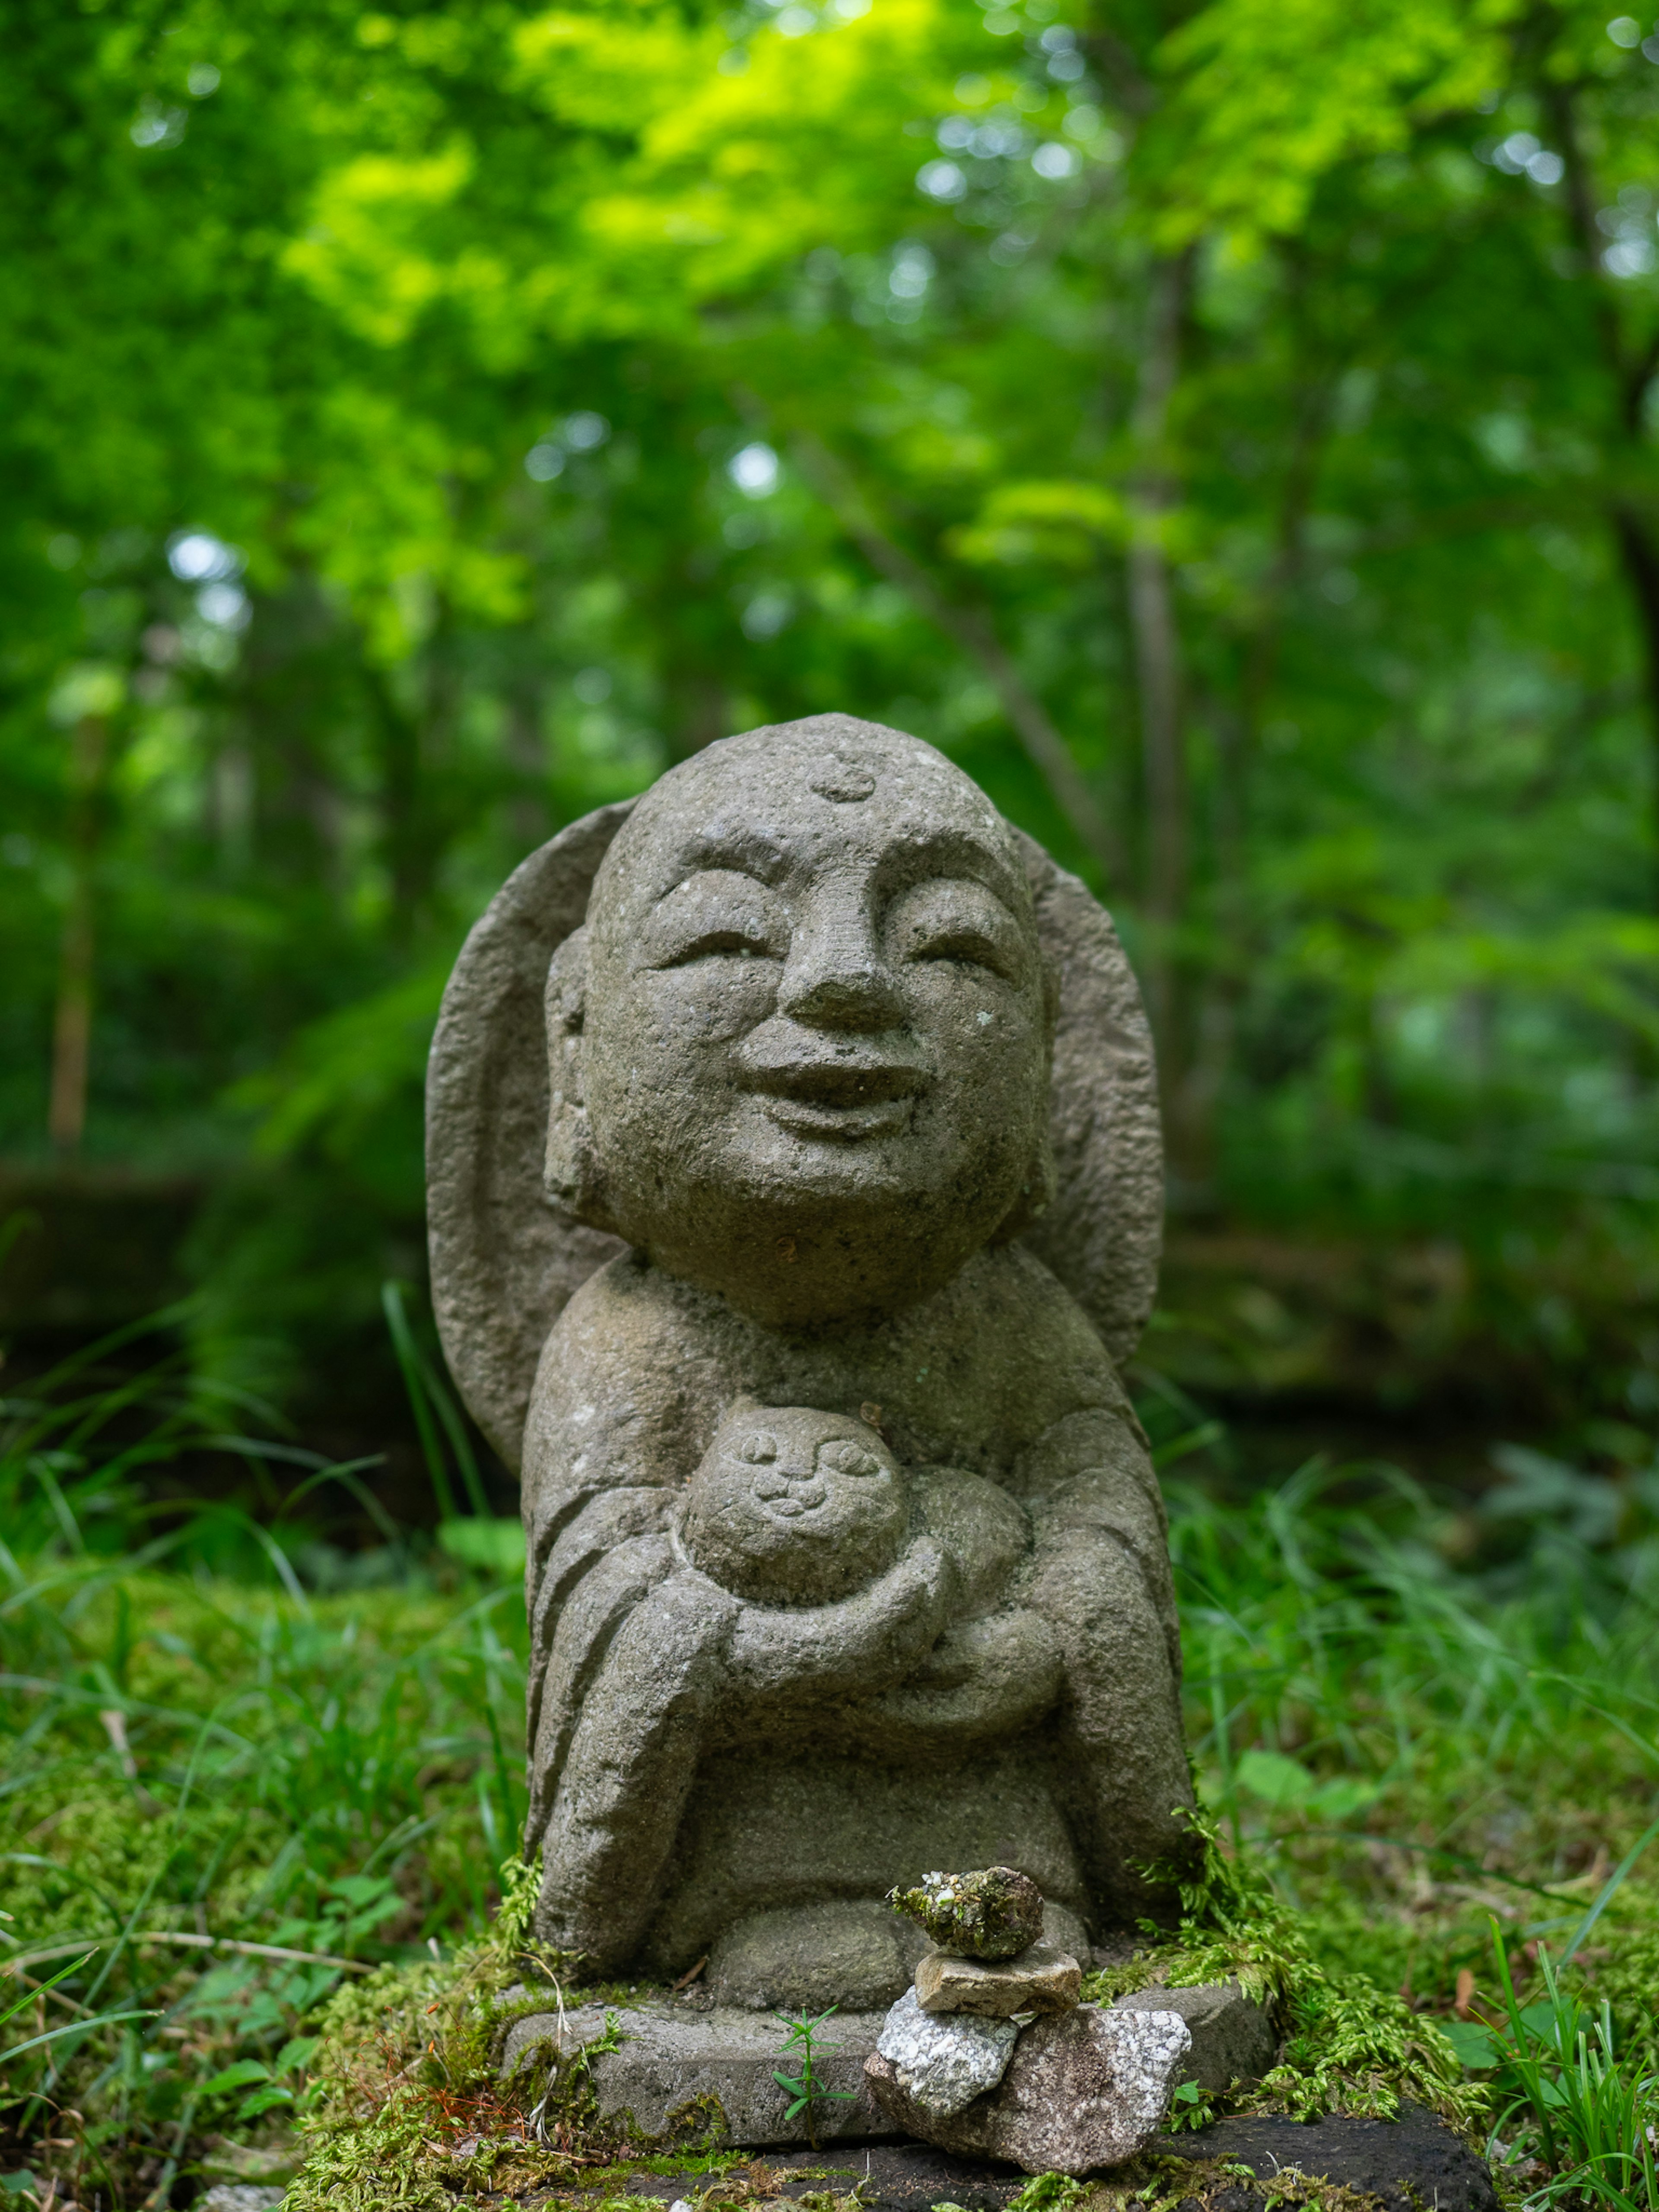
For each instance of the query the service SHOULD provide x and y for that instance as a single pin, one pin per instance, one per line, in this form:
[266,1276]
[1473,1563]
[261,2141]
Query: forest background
[1226,430]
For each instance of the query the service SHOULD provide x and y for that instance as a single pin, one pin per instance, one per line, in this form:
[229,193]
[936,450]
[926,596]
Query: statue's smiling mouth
[793,1498]
[847,1097]
[849,1123]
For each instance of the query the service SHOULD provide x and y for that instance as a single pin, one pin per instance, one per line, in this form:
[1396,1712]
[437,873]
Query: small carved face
[794,1507]
[814,1051]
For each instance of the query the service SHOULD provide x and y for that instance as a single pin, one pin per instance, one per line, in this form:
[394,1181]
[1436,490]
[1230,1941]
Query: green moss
[993,1913]
[1157,2182]
[1047,2192]
[1626,1975]
[1348,2045]
[404,2108]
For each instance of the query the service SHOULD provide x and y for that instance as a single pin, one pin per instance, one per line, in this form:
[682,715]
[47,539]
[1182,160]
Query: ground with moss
[262,1822]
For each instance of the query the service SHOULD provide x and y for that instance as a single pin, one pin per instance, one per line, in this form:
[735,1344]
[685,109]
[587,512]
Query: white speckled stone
[943,2061]
[1083,2089]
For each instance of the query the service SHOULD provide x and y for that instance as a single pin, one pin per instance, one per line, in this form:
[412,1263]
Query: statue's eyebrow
[947,853]
[740,852]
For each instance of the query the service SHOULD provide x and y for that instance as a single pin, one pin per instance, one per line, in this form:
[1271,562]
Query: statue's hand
[869,1641]
[982,1677]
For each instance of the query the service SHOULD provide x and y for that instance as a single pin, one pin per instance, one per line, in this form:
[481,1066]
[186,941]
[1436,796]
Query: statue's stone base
[685,2075]
[688,2072]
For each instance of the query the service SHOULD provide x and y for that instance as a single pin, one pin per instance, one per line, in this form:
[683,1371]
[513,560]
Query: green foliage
[1347,2046]
[1593,2119]
[219,1793]
[1043,2192]
[375,394]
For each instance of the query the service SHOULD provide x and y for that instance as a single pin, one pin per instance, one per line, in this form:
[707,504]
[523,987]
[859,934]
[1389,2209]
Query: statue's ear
[571,1170]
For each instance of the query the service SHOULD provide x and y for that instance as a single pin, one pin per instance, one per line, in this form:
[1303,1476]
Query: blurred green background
[1226,429]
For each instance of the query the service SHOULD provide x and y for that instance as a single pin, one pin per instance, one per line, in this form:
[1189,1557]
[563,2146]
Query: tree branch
[970,629]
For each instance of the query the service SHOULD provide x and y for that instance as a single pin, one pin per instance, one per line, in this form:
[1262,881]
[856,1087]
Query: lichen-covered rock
[996,1913]
[1083,2089]
[1041,1979]
[942,2062]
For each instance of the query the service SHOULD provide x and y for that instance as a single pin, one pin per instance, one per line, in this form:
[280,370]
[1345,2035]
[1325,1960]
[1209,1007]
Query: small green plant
[1047,2192]
[1590,2119]
[807,2091]
[79,2027]
[1190,2108]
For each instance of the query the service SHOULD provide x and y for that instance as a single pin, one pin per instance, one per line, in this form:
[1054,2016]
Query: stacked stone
[991,2052]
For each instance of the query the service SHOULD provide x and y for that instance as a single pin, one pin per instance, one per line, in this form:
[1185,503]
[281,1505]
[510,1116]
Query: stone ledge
[685,2075]
[1408,2165]
[1414,2164]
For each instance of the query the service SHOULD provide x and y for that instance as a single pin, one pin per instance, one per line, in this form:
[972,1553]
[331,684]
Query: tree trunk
[1638,552]
[1156,642]
[1632,367]
[529,823]
[71,1034]
[402,843]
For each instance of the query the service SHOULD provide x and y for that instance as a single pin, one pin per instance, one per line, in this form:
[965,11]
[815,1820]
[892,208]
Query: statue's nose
[836,978]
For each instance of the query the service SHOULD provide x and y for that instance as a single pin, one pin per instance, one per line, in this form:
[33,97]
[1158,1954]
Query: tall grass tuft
[221,1792]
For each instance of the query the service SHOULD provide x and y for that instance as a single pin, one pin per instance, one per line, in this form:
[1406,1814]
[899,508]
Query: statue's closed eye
[847,1457]
[717,913]
[953,919]
[759,1450]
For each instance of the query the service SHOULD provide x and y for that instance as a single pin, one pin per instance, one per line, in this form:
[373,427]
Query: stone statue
[794,1179]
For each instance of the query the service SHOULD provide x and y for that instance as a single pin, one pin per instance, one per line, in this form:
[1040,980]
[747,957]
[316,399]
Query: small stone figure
[807,1082]
[996,1913]
[794,1507]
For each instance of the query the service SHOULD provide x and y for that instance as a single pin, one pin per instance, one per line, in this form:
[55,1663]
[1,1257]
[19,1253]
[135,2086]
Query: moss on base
[1347,2045]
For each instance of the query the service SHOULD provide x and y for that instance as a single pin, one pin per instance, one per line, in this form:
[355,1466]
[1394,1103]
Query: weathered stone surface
[1233,2040]
[994,1913]
[1405,2164]
[1042,1978]
[1409,2166]
[942,2062]
[793,1507]
[682,2075]
[1084,2088]
[504,1260]
[823,1036]
[782,1960]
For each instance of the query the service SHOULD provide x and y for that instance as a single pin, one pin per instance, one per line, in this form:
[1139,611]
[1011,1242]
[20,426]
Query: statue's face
[815,1046]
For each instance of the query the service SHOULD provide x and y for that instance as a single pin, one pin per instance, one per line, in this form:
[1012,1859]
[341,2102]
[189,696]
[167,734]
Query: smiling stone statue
[786,1244]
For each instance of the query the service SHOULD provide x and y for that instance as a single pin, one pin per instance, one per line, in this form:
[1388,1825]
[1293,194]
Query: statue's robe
[1008,1691]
